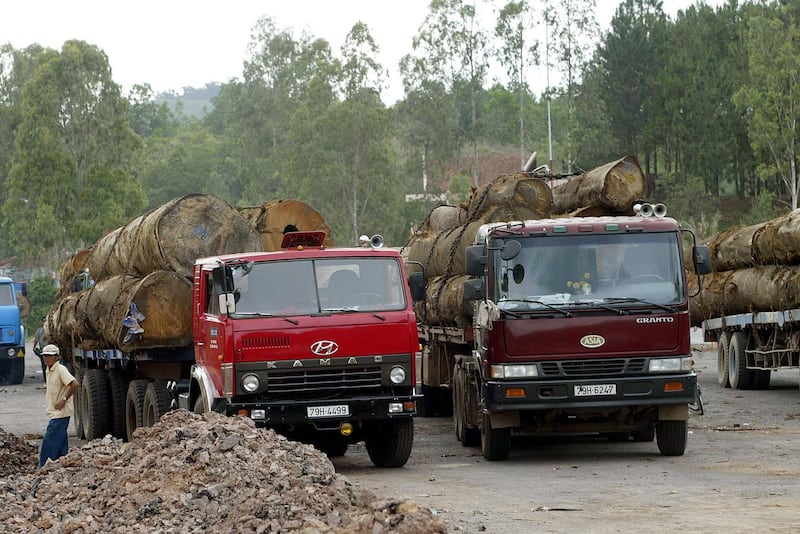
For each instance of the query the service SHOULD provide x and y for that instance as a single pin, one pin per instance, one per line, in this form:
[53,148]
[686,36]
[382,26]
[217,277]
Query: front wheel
[495,442]
[16,371]
[389,443]
[671,437]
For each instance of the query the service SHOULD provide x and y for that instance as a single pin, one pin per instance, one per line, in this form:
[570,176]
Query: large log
[271,219]
[171,237]
[733,249]
[615,185]
[778,240]
[759,288]
[92,319]
[444,302]
[443,252]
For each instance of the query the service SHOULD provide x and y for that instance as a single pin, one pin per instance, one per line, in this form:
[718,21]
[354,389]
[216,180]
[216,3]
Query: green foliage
[41,294]
[764,208]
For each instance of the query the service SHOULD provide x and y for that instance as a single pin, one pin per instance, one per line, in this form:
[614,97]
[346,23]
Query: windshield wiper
[263,314]
[623,300]
[351,309]
[618,311]
[516,313]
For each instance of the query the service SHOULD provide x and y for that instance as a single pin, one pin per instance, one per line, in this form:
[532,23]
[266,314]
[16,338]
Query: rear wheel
[722,360]
[134,406]
[389,443]
[740,376]
[468,437]
[495,442]
[16,371]
[671,437]
[80,409]
[96,403]
[118,382]
[157,402]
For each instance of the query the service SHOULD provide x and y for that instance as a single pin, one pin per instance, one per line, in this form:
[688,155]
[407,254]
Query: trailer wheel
[723,361]
[118,380]
[671,437]
[495,442]
[96,401]
[389,443]
[761,379]
[469,437]
[740,376]
[157,402]
[80,410]
[134,406]
[16,371]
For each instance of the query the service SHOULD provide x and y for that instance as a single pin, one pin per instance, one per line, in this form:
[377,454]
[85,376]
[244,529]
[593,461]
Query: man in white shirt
[61,386]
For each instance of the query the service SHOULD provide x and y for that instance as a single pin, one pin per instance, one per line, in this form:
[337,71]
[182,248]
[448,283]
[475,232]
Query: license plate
[334,410]
[595,389]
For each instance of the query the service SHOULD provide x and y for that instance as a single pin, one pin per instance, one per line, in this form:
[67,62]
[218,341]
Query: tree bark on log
[615,185]
[444,302]
[92,319]
[778,241]
[271,218]
[756,289]
[171,237]
[733,249]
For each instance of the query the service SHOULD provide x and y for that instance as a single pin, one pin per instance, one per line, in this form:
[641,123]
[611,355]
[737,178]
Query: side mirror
[475,260]
[474,289]
[416,283]
[701,255]
[227,303]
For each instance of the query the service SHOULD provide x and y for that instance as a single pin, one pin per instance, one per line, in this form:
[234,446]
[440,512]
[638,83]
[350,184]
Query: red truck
[318,343]
[580,325]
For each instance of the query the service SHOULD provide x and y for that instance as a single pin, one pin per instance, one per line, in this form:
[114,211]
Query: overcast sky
[171,44]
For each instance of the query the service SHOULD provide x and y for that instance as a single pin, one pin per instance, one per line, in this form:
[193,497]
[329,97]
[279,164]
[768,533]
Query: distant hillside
[193,101]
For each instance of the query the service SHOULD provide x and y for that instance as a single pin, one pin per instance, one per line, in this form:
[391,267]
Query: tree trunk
[615,185]
[272,218]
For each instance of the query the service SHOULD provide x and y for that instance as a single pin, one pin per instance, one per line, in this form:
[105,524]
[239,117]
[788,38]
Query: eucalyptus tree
[771,96]
[71,176]
[451,49]
[574,28]
[516,53]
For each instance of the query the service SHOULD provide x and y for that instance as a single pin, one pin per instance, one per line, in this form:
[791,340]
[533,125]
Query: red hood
[582,336]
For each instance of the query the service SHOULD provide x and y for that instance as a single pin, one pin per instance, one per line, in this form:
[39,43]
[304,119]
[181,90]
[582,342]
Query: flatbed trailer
[750,346]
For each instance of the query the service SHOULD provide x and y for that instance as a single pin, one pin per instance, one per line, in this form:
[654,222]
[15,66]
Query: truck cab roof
[579,225]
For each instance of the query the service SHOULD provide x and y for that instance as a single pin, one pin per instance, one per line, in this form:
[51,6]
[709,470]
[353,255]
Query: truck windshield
[303,287]
[6,294]
[593,268]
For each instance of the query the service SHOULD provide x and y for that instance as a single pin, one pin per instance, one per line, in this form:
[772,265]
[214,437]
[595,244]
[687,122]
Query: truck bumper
[17,352]
[325,415]
[564,394]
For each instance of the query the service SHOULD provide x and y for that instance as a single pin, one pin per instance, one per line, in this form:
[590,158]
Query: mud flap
[504,419]
[673,412]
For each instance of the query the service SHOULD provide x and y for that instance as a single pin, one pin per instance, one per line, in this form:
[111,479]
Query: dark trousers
[55,443]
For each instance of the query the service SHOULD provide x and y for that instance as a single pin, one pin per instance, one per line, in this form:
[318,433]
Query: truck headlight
[515,371]
[670,365]
[397,375]
[250,383]
[11,351]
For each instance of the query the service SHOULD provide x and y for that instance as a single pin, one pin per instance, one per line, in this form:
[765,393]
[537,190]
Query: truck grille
[323,383]
[615,367]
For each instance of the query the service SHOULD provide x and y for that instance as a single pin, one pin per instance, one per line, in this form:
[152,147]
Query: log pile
[756,268]
[440,242]
[149,262]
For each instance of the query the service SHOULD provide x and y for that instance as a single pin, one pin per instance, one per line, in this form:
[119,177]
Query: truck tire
[723,345]
[495,442]
[761,379]
[16,371]
[648,433]
[740,376]
[80,410]
[96,401]
[469,437]
[671,437]
[118,382]
[134,406]
[389,443]
[157,402]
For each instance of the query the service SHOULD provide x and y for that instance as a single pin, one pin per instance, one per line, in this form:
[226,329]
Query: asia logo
[592,341]
[324,347]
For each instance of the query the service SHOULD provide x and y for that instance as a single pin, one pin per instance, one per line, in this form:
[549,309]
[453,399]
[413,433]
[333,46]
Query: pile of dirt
[197,473]
[16,455]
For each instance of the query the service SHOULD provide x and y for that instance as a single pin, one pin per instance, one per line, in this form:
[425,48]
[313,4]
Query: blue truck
[12,333]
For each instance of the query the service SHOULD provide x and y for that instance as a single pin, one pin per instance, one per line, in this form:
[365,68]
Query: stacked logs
[439,244]
[271,219]
[756,268]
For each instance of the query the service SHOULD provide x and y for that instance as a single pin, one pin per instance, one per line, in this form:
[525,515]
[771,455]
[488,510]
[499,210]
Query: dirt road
[741,471]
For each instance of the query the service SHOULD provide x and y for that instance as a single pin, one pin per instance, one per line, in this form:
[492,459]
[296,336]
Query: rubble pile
[16,455]
[198,473]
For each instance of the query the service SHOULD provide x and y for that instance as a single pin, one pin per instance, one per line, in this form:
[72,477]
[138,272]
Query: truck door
[210,340]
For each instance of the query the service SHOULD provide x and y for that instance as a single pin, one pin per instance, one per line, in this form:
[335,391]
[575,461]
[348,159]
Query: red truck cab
[318,343]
